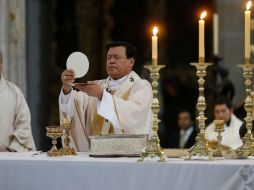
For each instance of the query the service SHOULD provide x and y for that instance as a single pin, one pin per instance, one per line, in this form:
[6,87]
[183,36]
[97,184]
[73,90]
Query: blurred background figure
[15,120]
[223,110]
[184,137]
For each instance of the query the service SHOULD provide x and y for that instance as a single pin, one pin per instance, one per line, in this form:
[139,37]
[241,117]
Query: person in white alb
[223,110]
[15,121]
[120,104]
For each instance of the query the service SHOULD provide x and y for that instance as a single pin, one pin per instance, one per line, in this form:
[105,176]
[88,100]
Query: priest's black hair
[131,51]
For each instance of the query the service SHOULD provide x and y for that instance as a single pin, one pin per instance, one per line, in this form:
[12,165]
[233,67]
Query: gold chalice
[67,126]
[219,128]
[54,132]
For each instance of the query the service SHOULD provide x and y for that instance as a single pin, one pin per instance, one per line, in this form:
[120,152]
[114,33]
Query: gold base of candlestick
[68,151]
[201,148]
[247,148]
[153,150]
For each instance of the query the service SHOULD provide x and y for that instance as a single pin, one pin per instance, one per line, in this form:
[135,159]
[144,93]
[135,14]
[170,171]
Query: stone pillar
[12,41]
[90,35]
[4,37]
[108,24]
[231,42]
[38,69]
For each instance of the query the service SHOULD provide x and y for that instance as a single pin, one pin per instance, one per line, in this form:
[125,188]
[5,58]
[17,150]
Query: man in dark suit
[184,137]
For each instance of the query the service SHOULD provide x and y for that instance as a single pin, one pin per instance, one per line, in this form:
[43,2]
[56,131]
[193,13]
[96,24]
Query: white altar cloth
[24,171]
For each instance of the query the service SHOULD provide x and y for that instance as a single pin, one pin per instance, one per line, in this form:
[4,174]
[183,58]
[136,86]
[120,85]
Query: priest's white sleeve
[106,109]
[66,103]
[133,115]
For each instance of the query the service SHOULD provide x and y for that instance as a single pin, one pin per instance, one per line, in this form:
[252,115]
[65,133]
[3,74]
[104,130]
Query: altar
[27,171]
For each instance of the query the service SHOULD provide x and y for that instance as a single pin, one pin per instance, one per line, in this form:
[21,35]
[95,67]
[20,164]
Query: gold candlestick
[67,125]
[54,133]
[219,128]
[247,148]
[200,148]
[153,149]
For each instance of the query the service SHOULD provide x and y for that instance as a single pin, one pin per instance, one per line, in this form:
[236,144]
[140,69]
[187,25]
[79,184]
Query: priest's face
[118,65]
[222,112]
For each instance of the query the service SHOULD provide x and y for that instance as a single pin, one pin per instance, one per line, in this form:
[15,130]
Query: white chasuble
[230,136]
[15,121]
[125,107]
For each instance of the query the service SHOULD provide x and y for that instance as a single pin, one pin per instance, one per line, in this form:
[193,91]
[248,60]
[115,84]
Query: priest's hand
[67,77]
[3,149]
[92,88]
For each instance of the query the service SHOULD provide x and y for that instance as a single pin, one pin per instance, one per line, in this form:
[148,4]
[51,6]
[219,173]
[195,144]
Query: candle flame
[155,30]
[203,15]
[248,5]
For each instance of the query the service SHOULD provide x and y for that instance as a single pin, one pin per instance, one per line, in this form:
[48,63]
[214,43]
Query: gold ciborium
[67,126]
[54,132]
[200,148]
[247,148]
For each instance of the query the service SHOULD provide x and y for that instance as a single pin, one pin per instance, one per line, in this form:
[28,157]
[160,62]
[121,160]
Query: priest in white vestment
[120,104]
[230,137]
[15,121]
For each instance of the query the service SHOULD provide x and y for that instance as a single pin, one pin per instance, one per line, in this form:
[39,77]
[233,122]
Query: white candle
[155,46]
[215,34]
[202,35]
[247,30]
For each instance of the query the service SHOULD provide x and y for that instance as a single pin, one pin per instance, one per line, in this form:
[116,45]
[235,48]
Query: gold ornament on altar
[54,132]
[67,126]
[220,150]
[153,149]
[247,148]
[200,148]
[219,128]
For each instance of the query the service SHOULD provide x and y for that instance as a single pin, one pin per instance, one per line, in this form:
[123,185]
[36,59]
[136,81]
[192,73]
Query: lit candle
[215,34]
[155,46]
[247,30]
[202,35]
